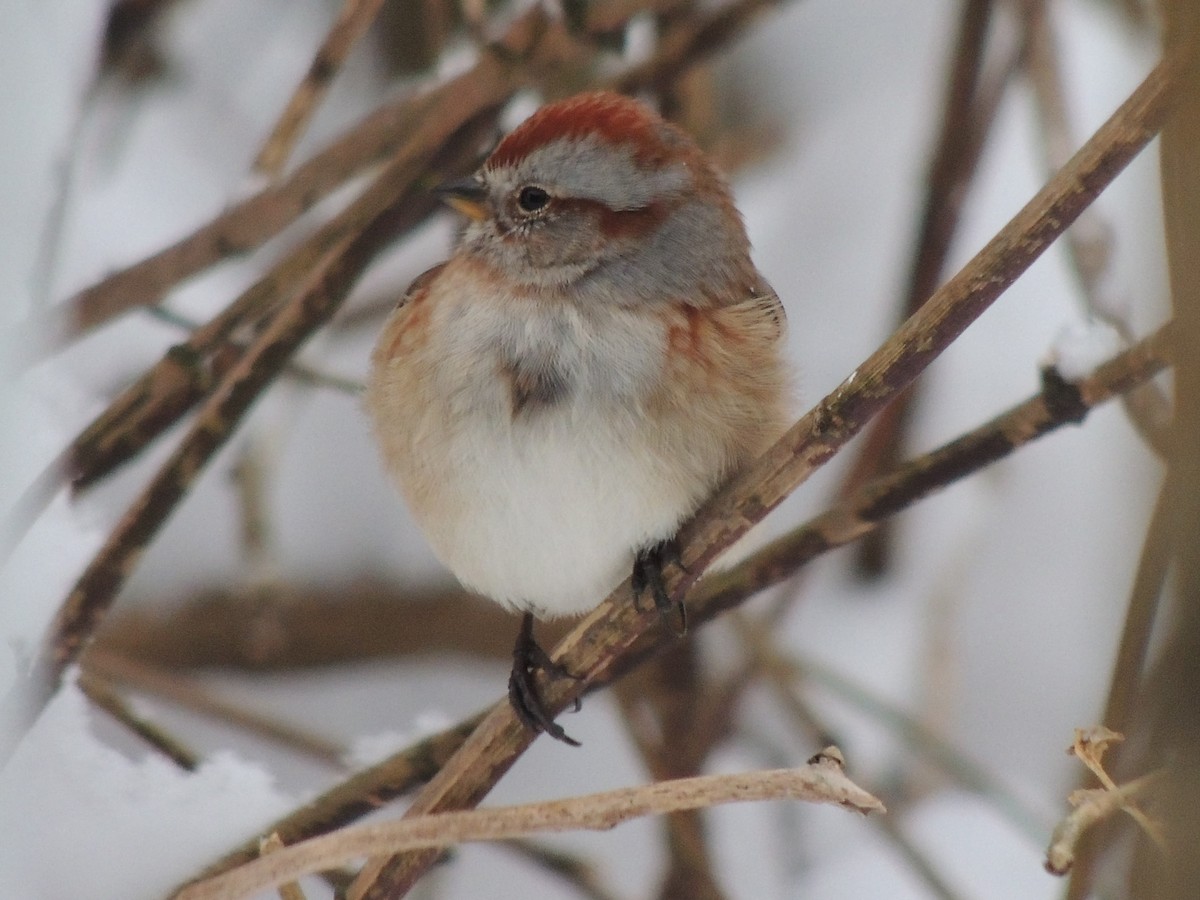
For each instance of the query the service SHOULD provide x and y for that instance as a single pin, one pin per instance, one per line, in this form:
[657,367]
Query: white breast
[544,510]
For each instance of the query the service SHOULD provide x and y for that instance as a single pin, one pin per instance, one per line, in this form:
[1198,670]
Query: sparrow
[598,355]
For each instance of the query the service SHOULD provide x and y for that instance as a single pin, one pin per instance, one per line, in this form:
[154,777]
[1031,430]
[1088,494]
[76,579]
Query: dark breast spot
[534,387]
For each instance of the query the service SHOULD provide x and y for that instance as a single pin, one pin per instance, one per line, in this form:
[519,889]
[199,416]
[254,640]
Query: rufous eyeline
[598,355]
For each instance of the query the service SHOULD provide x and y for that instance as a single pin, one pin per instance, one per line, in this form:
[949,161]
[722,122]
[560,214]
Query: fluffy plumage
[597,356]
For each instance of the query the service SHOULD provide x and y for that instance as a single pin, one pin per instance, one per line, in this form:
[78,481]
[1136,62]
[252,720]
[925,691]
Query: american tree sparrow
[598,355]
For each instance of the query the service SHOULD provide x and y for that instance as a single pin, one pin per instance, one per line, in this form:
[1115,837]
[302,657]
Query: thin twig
[784,670]
[352,23]
[782,674]
[104,695]
[188,694]
[821,781]
[441,142]
[969,109]
[574,870]
[1089,240]
[361,794]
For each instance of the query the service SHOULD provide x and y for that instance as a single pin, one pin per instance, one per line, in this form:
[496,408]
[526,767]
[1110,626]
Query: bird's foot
[648,575]
[528,659]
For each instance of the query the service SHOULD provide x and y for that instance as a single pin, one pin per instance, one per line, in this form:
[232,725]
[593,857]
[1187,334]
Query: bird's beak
[467,196]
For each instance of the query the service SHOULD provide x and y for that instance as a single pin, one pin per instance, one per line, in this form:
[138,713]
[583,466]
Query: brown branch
[1089,240]
[302,626]
[610,632]
[968,112]
[440,142]
[575,871]
[1170,716]
[723,591]
[535,48]
[288,328]
[821,781]
[103,695]
[1126,683]
[352,23]
[661,703]
[187,694]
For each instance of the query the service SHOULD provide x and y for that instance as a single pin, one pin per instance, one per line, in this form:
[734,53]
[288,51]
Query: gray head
[599,193]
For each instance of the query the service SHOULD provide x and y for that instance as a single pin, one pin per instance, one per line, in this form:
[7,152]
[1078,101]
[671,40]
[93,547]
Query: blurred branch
[1089,240]
[352,23]
[103,695]
[784,670]
[296,371]
[1170,713]
[289,327]
[188,694]
[580,874]
[660,704]
[188,371]
[969,108]
[821,781]
[313,625]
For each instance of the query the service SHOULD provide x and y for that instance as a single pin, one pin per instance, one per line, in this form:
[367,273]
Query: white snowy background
[1007,597]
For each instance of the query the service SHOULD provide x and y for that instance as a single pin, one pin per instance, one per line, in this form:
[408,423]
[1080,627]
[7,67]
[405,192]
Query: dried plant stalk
[821,781]
[352,23]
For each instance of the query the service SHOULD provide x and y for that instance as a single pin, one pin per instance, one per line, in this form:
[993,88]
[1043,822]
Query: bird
[597,356]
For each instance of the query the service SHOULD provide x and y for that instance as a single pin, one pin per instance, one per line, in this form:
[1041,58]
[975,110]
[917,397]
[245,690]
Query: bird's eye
[531,199]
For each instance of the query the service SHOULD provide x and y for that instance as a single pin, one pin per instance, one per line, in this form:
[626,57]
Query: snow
[997,627]
[80,819]
[1081,346]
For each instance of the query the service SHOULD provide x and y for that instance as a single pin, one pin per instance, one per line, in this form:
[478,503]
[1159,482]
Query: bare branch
[821,781]
[104,696]
[352,23]
[188,694]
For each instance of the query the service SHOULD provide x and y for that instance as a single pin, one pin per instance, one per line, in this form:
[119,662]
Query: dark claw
[648,574]
[528,658]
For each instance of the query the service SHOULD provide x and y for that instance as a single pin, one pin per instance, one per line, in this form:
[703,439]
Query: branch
[103,695]
[351,24]
[609,633]
[188,694]
[455,117]
[726,590]
[98,586]
[535,48]
[821,781]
